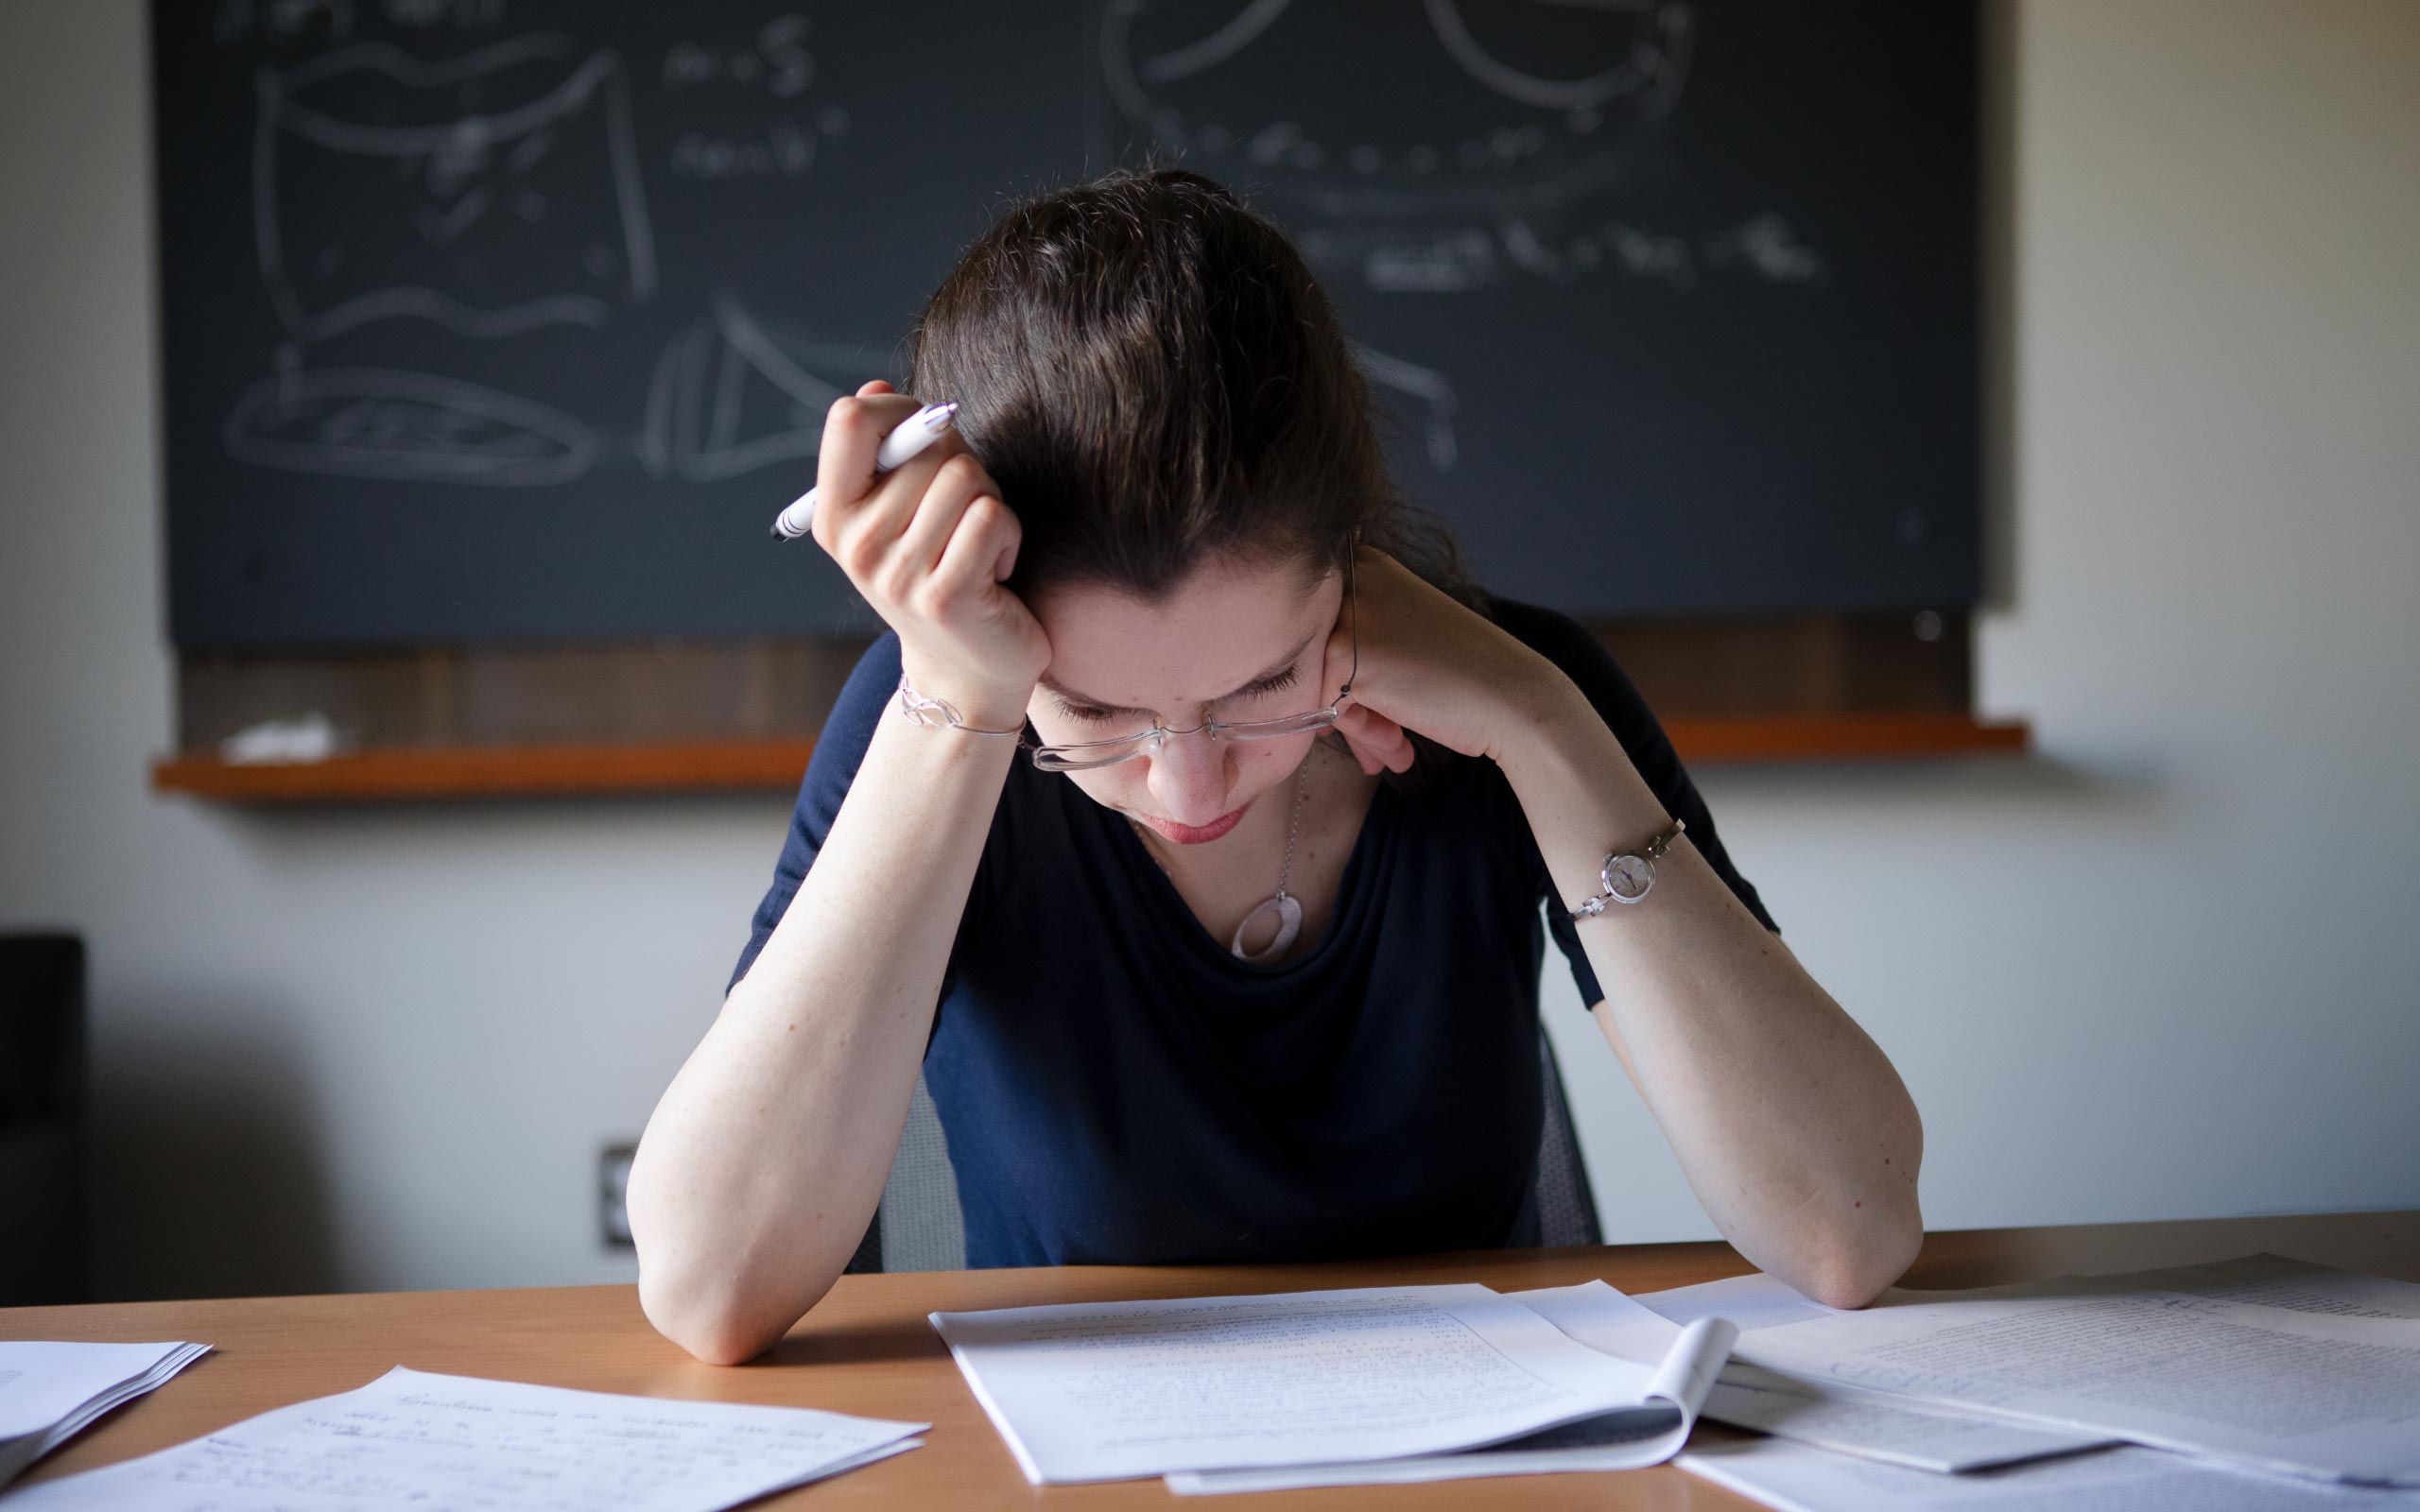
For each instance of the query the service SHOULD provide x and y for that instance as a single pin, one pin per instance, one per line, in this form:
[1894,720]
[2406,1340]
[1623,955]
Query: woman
[1205,958]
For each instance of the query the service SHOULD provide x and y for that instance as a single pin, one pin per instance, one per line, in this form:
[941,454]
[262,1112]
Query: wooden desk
[868,1350]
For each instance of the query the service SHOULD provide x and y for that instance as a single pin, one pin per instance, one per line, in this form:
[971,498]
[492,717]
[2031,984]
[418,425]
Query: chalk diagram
[1430,389]
[1486,151]
[376,423]
[728,399]
[491,223]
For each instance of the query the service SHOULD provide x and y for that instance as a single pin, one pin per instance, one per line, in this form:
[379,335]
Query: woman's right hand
[930,545]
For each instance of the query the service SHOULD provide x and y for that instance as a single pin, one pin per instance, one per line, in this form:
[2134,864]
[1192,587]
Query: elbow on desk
[713,1322]
[1872,1233]
[702,1285]
[1859,1266]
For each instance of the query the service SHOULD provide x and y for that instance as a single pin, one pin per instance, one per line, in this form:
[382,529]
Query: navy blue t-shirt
[1118,1088]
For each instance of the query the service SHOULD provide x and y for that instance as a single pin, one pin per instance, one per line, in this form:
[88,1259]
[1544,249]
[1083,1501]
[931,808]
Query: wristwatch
[1629,875]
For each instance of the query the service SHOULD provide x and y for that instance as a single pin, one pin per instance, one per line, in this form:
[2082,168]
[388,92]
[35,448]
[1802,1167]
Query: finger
[869,531]
[1353,733]
[1360,720]
[987,536]
[958,482]
[853,430]
[874,385]
[1381,737]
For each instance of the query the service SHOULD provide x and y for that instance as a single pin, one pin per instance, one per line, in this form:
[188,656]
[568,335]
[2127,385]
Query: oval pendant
[1289,923]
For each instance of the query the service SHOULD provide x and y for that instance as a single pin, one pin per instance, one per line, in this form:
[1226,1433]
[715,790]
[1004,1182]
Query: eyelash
[1093,715]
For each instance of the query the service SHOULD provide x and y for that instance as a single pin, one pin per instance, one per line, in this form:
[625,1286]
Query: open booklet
[1844,1418]
[411,1441]
[1683,1360]
[1319,1384]
[50,1389]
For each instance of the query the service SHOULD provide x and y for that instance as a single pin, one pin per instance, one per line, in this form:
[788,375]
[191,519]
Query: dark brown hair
[1147,368]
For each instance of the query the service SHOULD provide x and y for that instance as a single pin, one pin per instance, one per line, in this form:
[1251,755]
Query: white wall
[2171,968]
[2167,968]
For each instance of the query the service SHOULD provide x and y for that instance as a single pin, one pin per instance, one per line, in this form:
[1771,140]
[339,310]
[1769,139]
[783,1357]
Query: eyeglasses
[1088,755]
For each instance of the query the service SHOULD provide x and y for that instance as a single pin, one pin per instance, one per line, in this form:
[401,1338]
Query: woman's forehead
[1222,626]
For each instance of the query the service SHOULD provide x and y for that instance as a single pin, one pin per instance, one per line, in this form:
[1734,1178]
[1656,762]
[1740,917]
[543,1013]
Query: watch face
[1628,877]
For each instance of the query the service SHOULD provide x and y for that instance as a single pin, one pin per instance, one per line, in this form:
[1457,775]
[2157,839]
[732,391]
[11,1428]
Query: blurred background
[2004,422]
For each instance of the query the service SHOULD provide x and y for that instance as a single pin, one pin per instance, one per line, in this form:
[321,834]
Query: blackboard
[516,319]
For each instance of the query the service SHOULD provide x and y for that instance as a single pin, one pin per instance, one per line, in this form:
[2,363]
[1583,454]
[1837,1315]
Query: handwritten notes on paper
[415,1441]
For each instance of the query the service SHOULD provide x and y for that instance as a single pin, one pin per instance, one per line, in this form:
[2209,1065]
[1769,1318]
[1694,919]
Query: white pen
[914,434]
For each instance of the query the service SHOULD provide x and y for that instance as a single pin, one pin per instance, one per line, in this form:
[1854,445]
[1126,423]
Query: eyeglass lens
[1085,755]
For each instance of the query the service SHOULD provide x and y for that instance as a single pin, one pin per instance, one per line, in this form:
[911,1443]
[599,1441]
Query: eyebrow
[1291,658]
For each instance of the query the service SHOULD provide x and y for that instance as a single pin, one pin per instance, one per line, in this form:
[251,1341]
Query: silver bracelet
[936,713]
[1629,875]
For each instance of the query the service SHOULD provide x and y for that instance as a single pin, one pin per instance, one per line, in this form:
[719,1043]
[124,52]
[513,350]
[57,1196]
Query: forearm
[764,1159]
[1797,1136]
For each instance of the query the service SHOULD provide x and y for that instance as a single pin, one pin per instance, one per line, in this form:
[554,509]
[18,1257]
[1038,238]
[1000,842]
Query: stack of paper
[1845,1418]
[414,1441]
[49,1390]
[2255,1368]
[1796,1479]
[1323,1389]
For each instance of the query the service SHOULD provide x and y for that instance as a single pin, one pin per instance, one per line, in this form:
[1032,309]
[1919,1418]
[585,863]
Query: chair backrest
[1566,1208]
[919,1226]
[41,1119]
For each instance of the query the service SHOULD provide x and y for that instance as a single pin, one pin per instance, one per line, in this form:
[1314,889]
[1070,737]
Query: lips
[1196,834]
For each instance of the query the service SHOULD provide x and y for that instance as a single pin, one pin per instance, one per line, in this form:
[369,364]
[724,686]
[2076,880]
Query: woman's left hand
[1429,665]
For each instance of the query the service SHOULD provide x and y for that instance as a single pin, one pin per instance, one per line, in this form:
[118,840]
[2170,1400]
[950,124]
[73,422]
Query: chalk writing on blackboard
[1464,162]
[487,212]
[510,199]
[774,62]
[287,22]
[1431,389]
[727,399]
[412,427]
[1469,133]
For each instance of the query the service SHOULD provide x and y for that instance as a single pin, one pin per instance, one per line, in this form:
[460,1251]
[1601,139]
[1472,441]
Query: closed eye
[1266,686]
[1094,715]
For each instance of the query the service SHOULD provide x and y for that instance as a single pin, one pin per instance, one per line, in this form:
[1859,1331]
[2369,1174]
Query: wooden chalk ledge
[775,765]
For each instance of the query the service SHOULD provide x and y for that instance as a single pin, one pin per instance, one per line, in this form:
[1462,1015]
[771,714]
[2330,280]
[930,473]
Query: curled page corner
[1688,1371]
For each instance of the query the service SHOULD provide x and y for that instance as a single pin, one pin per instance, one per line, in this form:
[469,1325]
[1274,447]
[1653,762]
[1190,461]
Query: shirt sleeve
[1583,659]
[838,753]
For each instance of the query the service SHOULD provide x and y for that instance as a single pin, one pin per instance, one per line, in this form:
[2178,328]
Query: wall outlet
[613,1193]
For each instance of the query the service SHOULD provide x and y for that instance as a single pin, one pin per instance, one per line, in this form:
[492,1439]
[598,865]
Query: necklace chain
[1293,832]
[1285,867]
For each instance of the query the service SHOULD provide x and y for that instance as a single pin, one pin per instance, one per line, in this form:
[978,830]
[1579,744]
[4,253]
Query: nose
[1191,776]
